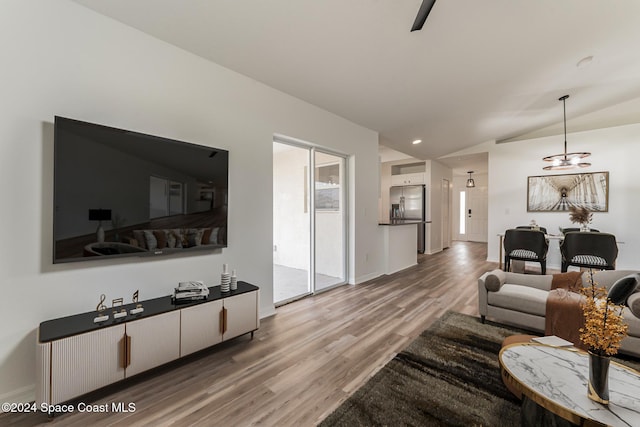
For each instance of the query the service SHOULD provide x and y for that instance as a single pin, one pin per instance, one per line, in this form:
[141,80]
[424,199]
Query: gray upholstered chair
[589,250]
[525,245]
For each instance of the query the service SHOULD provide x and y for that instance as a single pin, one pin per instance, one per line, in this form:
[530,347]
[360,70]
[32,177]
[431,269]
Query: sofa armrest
[483,292]
[606,278]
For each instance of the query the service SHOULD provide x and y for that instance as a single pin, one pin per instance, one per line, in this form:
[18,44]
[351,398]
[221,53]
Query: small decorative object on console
[100,308]
[190,291]
[118,303]
[225,279]
[234,280]
[138,308]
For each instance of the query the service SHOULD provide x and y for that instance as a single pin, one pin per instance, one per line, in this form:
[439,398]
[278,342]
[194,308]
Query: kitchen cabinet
[407,179]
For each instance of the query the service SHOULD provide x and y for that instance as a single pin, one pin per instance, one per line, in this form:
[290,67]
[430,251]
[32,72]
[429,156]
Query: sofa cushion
[523,253]
[623,288]
[520,298]
[494,281]
[161,238]
[589,260]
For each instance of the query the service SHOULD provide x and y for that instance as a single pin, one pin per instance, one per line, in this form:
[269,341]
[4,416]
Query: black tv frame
[99,176]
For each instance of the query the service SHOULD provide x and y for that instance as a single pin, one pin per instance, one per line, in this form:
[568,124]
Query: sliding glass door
[329,221]
[291,223]
[309,220]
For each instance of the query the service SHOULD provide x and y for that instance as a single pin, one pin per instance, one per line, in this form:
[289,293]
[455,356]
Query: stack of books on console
[190,291]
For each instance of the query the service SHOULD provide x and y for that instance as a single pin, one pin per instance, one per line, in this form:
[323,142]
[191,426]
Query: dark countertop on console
[404,222]
[63,327]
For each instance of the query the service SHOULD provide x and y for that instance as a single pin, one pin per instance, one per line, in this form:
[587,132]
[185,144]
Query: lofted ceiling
[478,71]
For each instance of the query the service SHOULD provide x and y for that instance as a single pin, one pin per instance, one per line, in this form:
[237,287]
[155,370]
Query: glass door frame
[344,162]
[310,200]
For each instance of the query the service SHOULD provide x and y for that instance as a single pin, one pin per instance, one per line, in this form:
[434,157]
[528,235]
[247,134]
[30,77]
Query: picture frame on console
[557,193]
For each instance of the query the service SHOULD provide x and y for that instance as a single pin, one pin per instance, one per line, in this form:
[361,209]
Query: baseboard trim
[365,278]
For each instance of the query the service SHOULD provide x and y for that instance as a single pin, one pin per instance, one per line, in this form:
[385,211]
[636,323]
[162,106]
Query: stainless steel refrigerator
[409,202]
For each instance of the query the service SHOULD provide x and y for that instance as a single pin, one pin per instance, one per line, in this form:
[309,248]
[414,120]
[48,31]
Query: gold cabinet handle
[123,351]
[128,350]
[223,320]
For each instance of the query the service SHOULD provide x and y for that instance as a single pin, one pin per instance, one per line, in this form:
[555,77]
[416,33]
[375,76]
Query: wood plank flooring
[303,362]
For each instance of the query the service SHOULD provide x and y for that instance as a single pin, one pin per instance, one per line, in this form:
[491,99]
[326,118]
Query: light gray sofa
[520,300]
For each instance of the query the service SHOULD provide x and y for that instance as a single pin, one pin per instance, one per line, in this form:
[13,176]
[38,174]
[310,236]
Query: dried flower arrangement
[604,328]
[580,215]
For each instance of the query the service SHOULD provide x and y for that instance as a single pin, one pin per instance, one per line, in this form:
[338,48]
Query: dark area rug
[448,376]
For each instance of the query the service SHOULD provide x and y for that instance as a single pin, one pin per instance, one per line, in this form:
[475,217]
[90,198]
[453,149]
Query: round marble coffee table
[556,379]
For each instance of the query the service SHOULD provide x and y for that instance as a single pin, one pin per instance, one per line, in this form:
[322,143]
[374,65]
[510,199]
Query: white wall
[615,150]
[60,58]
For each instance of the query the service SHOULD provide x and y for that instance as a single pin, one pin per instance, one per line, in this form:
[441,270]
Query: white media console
[76,356]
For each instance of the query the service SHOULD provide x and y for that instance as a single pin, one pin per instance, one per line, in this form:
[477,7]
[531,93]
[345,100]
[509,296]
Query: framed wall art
[557,193]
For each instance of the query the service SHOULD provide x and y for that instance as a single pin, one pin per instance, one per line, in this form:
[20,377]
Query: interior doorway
[309,220]
[470,207]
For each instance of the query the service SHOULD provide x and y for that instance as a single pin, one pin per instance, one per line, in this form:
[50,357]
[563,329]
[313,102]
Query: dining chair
[525,245]
[589,249]
[568,229]
[530,227]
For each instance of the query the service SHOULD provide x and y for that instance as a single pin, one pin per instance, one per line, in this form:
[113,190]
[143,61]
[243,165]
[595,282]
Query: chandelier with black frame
[566,160]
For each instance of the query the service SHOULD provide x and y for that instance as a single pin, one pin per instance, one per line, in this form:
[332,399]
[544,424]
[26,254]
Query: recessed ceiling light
[584,61]
[416,141]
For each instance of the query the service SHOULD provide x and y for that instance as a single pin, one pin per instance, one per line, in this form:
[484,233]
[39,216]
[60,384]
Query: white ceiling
[480,70]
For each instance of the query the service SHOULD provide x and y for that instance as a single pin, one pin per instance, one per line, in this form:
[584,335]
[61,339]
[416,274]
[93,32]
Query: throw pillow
[180,238]
[152,243]
[139,235]
[171,240]
[495,280]
[206,236]
[161,237]
[620,291]
[634,304]
[193,237]
[213,237]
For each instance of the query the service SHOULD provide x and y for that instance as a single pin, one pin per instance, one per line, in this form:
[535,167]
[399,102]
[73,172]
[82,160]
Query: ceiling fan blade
[425,8]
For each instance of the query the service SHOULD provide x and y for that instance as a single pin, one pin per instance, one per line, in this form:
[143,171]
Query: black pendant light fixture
[566,160]
[470,182]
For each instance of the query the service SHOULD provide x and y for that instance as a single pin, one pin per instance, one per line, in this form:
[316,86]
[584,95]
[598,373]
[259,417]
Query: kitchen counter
[403,222]
[400,244]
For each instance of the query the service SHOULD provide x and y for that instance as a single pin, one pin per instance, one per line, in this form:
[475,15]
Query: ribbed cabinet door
[43,373]
[242,314]
[82,363]
[154,341]
[200,327]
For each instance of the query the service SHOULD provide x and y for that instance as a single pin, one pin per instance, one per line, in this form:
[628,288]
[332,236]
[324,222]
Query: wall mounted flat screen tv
[120,193]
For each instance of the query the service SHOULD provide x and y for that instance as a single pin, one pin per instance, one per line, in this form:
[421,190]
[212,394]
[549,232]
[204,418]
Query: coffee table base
[534,415]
